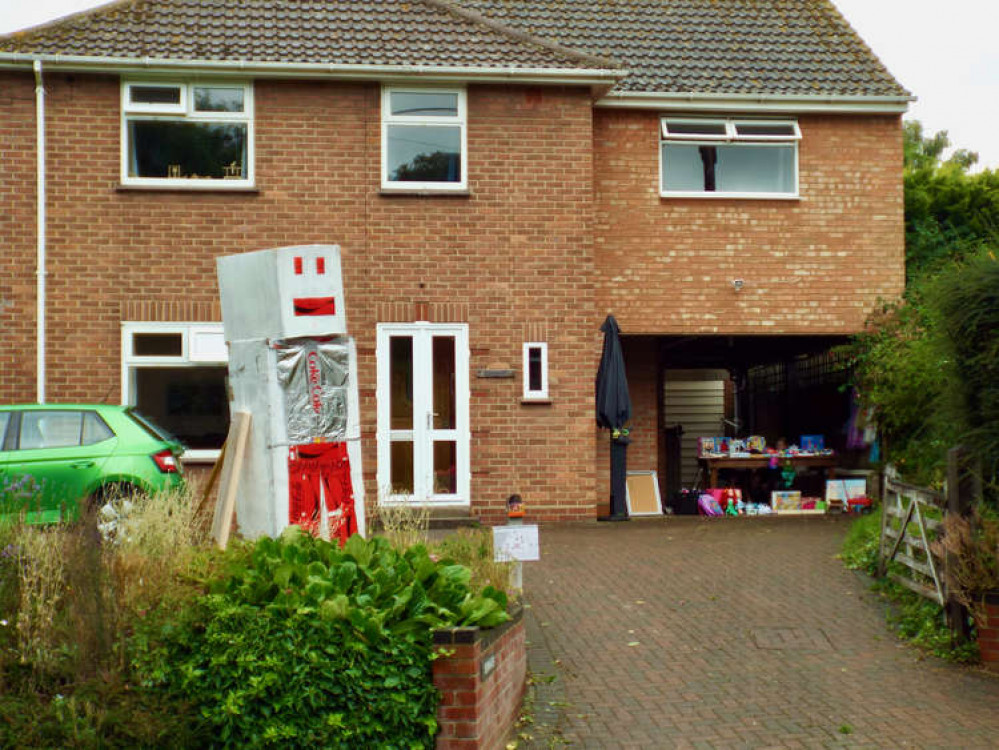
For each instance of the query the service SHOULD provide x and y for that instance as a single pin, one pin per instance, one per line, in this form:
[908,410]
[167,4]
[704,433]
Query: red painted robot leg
[315,470]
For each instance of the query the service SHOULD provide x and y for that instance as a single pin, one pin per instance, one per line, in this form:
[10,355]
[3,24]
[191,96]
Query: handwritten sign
[516,543]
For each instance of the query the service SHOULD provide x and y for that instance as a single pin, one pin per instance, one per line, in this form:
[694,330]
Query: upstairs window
[187,135]
[729,158]
[424,139]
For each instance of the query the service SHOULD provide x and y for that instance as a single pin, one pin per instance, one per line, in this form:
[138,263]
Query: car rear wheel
[111,505]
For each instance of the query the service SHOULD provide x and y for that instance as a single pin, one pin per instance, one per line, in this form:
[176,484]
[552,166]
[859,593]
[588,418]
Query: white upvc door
[423,423]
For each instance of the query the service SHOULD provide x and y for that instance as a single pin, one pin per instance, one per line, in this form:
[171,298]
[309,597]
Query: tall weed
[404,524]
[41,569]
[155,539]
[473,548]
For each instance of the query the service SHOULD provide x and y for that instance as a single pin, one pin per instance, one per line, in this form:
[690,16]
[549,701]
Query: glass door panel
[445,467]
[402,467]
[401,397]
[443,377]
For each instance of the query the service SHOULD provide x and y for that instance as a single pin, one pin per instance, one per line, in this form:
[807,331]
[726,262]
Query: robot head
[290,292]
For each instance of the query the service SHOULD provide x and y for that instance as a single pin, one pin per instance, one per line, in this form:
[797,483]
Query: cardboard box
[785,500]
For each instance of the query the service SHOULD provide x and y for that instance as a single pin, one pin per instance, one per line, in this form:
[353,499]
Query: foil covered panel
[314,377]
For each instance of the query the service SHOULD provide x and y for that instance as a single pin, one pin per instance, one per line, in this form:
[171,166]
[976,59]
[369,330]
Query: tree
[929,365]
[949,212]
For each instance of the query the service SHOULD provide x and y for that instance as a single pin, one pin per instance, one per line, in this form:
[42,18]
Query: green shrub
[860,547]
[309,645]
[929,367]
[968,300]
[920,622]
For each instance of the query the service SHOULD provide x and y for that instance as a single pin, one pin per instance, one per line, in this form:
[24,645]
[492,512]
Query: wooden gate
[909,516]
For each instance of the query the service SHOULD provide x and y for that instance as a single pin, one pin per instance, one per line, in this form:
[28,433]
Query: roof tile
[795,47]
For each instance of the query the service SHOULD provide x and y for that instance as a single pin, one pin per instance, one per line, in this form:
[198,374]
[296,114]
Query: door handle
[81,464]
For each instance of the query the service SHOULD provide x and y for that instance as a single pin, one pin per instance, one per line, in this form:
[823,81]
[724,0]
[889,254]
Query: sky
[943,52]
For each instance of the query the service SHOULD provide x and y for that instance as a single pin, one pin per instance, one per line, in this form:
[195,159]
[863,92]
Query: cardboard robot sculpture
[294,369]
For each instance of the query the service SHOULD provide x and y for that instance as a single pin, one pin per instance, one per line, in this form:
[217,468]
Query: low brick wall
[988,633]
[481,676]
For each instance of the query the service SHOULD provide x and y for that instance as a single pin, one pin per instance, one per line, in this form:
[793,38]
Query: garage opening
[780,388]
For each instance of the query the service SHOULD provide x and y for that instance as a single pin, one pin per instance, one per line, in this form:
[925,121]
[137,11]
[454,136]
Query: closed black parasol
[613,412]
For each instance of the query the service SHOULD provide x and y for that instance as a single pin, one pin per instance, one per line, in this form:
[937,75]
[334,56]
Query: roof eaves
[229,68]
[787,103]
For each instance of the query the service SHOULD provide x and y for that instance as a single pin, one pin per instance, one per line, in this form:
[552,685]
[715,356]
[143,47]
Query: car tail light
[166,461]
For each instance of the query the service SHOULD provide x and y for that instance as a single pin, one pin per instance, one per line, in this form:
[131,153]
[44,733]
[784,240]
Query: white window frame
[461,121]
[731,135]
[185,112]
[542,393]
[130,362]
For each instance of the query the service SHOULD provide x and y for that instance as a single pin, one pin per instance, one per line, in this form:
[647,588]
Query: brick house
[724,178]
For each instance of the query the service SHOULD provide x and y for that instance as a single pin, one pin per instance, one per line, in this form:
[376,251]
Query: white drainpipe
[40,264]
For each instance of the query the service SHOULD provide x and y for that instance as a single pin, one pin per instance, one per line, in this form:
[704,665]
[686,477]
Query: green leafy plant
[311,645]
[920,622]
[473,548]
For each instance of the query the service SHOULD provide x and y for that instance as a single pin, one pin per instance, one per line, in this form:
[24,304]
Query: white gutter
[788,103]
[243,68]
[40,270]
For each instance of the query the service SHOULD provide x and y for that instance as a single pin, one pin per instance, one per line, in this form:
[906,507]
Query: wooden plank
[883,540]
[929,557]
[936,498]
[905,523]
[210,484]
[913,564]
[896,511]
[232,469]
[909,539]
[919,588]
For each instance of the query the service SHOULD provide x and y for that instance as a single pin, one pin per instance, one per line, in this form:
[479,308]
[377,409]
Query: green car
[54,456]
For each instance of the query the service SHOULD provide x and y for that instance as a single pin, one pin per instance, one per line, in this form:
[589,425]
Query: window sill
[424,193]
[729,196]
[126,188]
[536,401]
[200,456]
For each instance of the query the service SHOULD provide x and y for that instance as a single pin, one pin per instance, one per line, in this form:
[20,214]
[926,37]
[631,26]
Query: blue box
[812,443]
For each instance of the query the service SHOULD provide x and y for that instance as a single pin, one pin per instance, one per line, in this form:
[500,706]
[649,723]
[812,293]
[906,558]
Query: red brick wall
[513,260]
[988,632]
[17,238]
[477,713]
[561,195]
[640,362]
[816,265]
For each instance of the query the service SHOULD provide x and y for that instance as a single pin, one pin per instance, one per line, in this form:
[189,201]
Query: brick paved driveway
[731,633]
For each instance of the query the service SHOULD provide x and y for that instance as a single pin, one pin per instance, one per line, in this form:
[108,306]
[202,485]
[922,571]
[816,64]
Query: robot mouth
[314,306]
